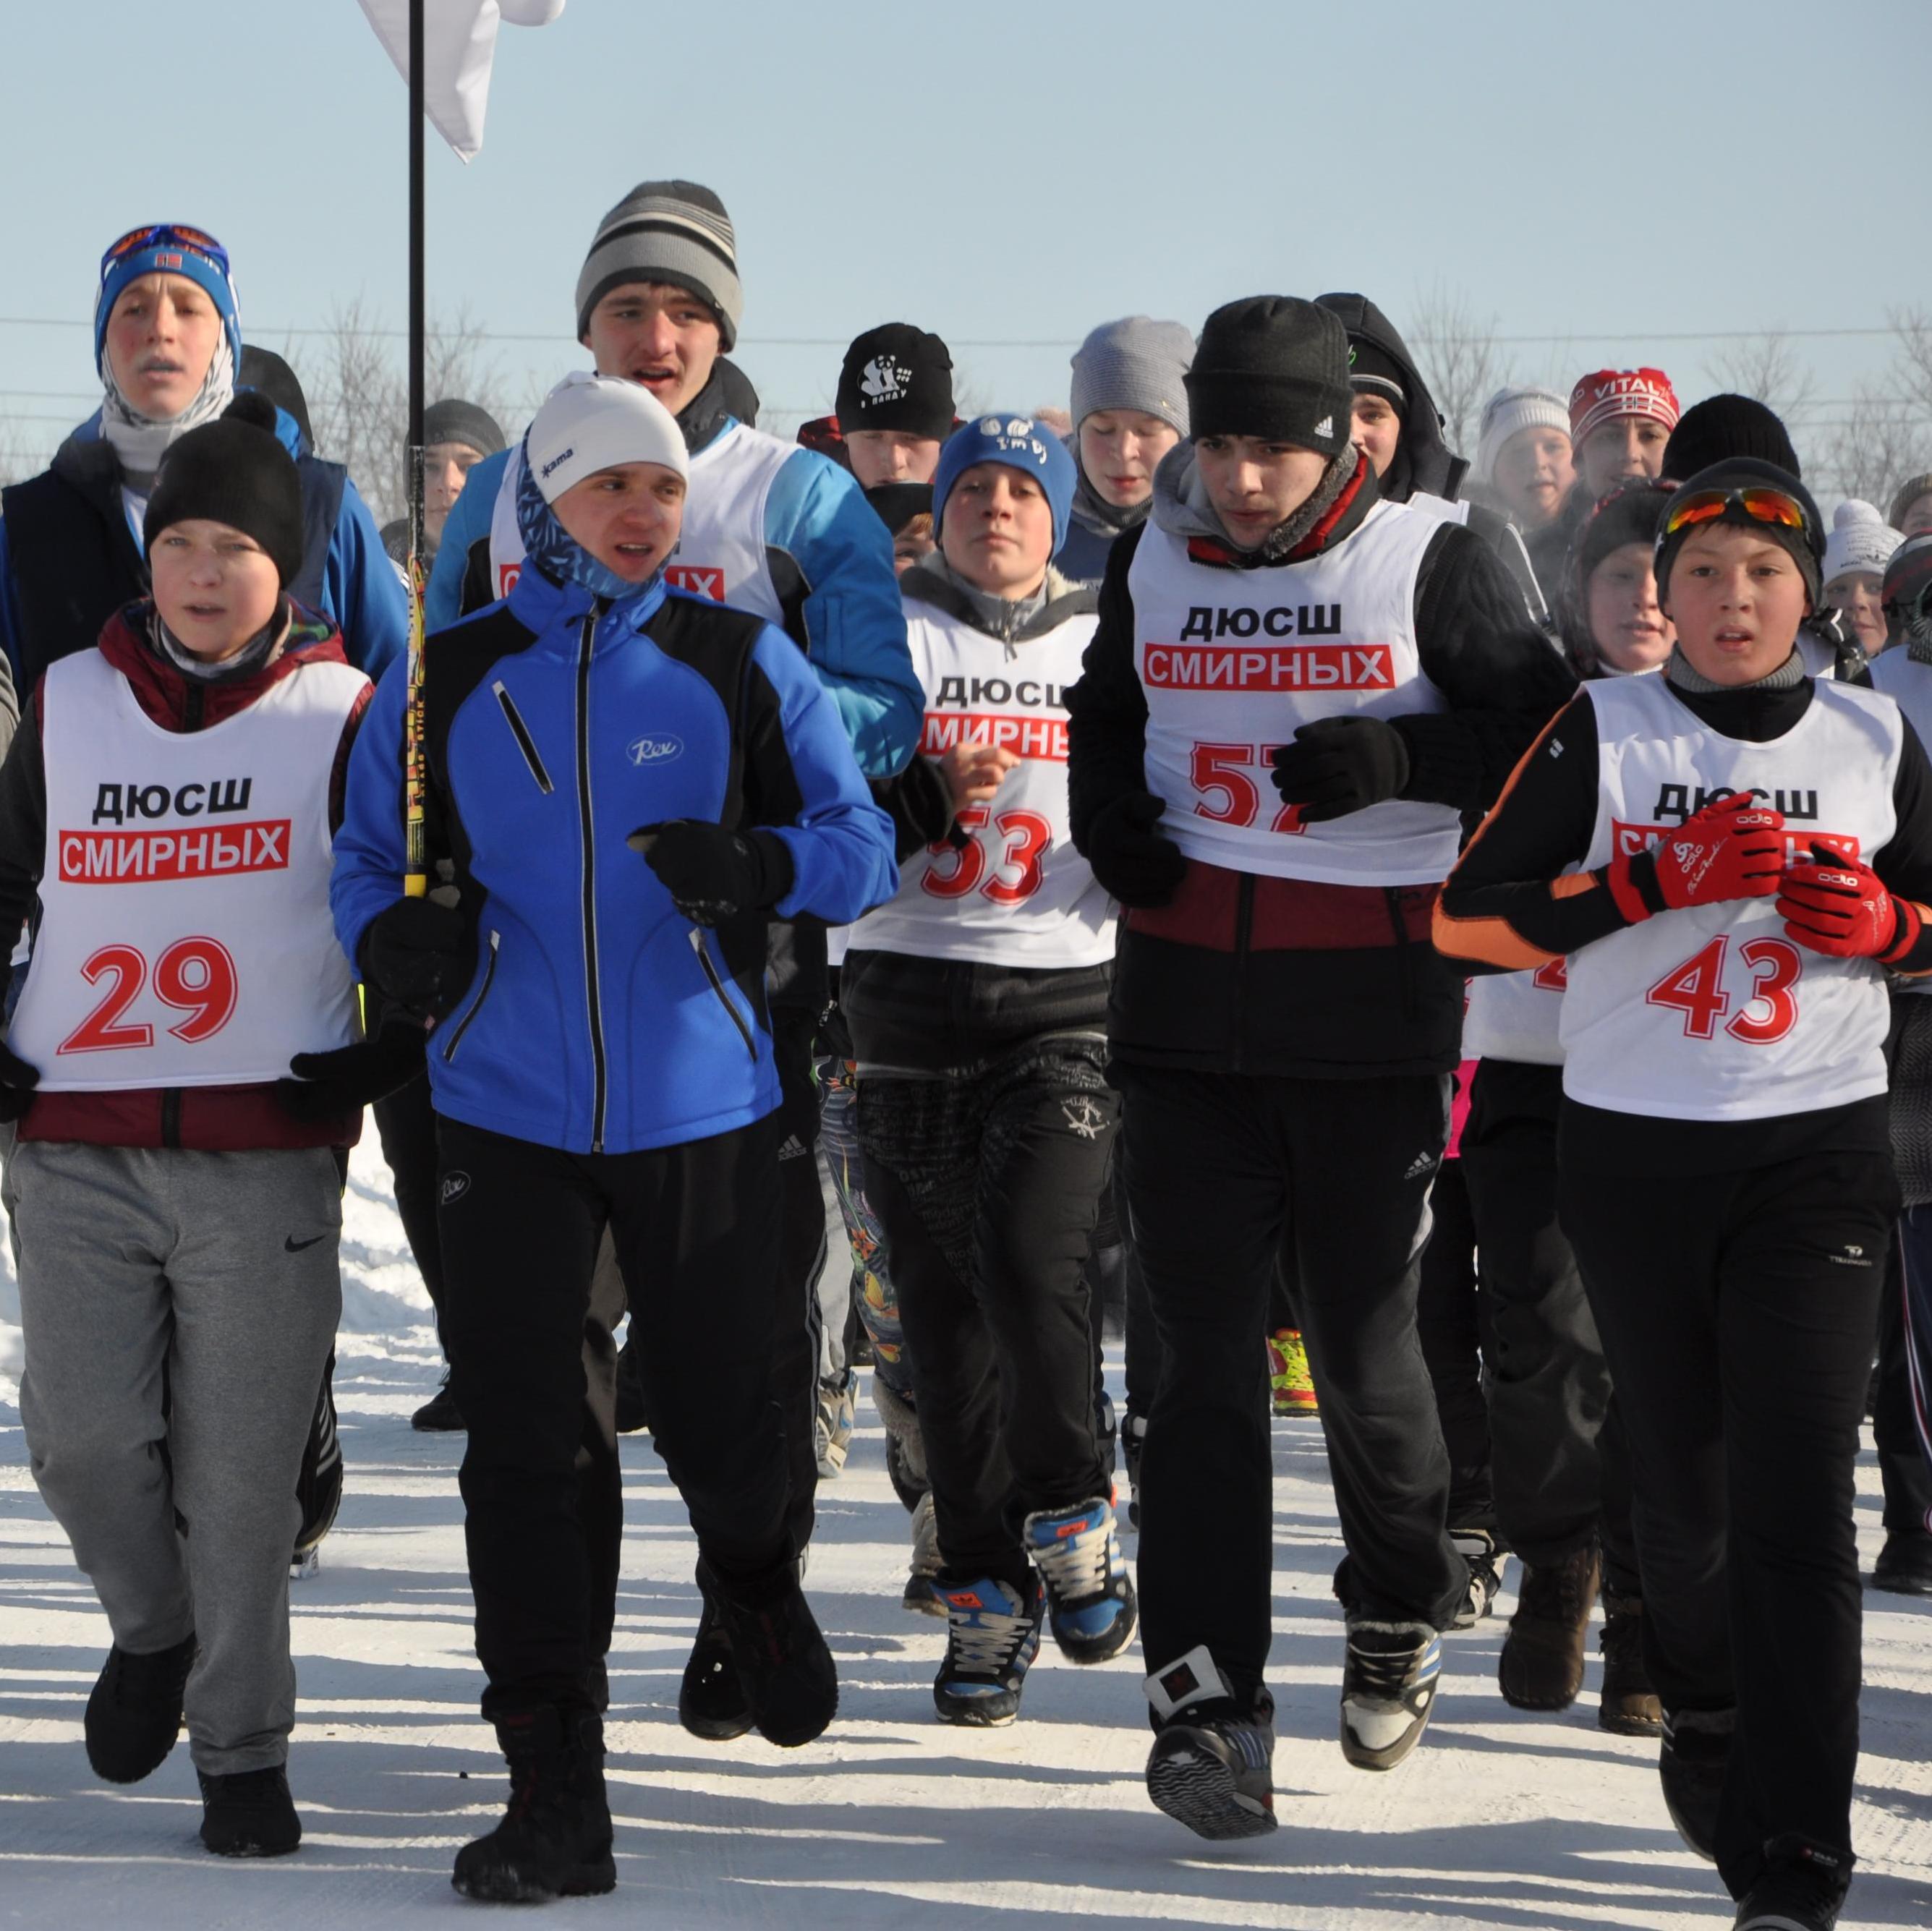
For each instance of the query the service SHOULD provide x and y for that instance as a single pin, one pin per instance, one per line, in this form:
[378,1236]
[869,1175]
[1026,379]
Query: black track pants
[406,1121]
[795,1317]
[696,1232]
[1450,1322]
[1222,1170]
[1902,1417]
[1738,1312]
[989,1187]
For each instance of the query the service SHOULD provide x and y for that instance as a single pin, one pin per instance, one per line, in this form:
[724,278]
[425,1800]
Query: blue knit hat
[1022,444]
[168,248]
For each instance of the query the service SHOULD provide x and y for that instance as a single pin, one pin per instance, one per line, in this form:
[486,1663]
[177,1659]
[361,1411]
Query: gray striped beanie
[666,231]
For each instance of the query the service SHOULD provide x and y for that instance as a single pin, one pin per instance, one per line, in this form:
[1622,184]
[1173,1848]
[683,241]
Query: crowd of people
[1437,946]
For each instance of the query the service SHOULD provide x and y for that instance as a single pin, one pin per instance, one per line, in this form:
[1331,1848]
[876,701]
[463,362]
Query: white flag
[459,43]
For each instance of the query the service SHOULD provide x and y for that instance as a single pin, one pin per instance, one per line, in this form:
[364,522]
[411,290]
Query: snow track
[1500,1819]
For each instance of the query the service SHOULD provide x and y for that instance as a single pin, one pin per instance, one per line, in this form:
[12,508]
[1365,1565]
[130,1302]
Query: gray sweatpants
[177,1310]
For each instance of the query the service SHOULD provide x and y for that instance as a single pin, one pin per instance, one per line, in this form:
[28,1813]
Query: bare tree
[1461,360]
[1913,327]
[1768,367]
[22,453]
[1872,450]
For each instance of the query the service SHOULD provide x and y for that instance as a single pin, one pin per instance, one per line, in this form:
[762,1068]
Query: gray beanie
[666,231]
[1136,363]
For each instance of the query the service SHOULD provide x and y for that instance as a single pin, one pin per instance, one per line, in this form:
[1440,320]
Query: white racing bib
[1714,1014]
[185,938]
[1019,894]
[721,553]
[1234,661]
[1516,1016]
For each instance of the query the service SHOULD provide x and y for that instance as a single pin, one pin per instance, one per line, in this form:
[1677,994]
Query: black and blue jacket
[599,1019]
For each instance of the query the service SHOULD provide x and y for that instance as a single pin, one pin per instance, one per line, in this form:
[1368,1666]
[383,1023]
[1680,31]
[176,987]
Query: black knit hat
[1745,473]
[464,422]
[898,377]
[1632,514]
[1372,370]
[896,503]
[1275,367]
[233,470]
[1720,427]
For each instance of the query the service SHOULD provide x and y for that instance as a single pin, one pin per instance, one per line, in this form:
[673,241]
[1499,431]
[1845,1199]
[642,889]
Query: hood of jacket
[1346,493]
[1424,464]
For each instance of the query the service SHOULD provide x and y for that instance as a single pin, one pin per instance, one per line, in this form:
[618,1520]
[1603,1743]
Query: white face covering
[140,441]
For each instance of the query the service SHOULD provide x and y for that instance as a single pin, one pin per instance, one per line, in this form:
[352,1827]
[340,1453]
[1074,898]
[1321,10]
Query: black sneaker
[790,1680]
[249,1814]
[1485,1556]
[555,1838]
[1629,1706]
[711,1701]
[1802,1888]
[1133,1440]
[134,1714]
[1211,1767]
[1388,1689]
[438,1415]
[992,1635]
[319,1481]
[1540,1664]
[1904,1565]
[1691,1765]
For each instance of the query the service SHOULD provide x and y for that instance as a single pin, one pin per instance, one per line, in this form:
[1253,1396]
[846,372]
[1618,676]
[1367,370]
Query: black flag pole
[415,866]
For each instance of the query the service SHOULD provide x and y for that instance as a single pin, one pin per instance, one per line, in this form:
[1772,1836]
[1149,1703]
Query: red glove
[1732,848]
[1838,907]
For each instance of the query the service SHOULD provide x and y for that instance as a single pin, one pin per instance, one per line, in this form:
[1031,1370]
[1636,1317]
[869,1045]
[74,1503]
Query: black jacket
[1245,974]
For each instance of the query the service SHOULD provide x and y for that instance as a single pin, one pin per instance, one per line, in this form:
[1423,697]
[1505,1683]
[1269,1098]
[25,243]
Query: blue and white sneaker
[1090,1597]
[1388,1688]
[1212,1764]
[991,1638]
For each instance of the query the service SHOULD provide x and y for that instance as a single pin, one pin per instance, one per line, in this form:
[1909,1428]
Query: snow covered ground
[1500,1819]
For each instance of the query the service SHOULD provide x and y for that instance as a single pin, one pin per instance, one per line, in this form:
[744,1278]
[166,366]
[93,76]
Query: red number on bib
[100,1032]
[1552,977]
[1027,835]
[967,862]
[1694,989]
[1776,967]
[197,976]
[1219,767]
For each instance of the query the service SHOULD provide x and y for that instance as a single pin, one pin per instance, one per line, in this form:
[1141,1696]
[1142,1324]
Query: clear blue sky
[1590,172]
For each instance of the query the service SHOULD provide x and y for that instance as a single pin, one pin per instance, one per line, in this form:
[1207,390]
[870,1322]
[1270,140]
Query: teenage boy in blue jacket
[602,1056]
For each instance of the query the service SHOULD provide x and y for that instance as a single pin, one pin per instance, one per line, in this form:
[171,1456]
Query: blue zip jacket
[598,1019]
[832,564]
[359,592]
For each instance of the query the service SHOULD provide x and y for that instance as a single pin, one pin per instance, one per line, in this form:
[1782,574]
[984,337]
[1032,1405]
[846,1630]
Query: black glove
[419,955]
[1340,765]
[17,1082]
[1136,864]
[712,874]
[327,1085]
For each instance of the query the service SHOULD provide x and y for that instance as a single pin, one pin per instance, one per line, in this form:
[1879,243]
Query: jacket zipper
[711,973]
[586,820]
[526,743]
[1404,964]
[1244,922]
[476,1004]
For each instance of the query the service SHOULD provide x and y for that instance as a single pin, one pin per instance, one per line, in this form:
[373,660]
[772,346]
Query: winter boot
[1292,1386]
[1696,1752]
[921,1594]
[1629,1707]
[905,1449]
[1388,1688]
[992,1635]
[790,1683]
[1801,1888]
[1541,1665]
[832,1427]
[1090,1597]
[711,1700]
[1486,1557]
[1904,1565]
[249,1814]
[134,1713]
[555,1838]
[1211,1765]
[318,1481]
[438,1415]
[1133,1439]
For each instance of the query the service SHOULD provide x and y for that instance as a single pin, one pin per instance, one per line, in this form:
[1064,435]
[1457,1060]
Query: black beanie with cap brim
[234,471]
[1275,367]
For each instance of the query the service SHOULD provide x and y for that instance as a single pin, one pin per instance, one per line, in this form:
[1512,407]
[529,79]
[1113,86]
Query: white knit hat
[1507,412]
[1860,539]
[589,423]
